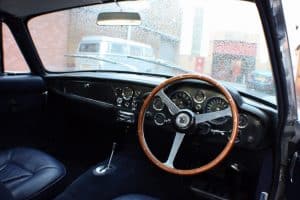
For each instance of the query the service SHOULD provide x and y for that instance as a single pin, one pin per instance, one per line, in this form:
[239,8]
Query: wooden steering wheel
[183,120]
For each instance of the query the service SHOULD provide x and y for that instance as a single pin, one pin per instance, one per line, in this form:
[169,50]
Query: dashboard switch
[119,100]
[124,116]
[250,139]
[149,115]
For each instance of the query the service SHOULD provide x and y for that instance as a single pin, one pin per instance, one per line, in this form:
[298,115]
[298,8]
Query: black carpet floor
[133,173]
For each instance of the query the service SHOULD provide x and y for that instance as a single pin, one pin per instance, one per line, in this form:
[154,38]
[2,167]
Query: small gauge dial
[118,91]
[182,99]
[198,107]
[158,105]
[137,93]
[215,104]
[159,119]
[127,93]
[243,121]
[200,96]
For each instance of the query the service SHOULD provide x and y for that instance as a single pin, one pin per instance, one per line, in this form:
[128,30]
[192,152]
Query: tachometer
[182,99]
[216,104]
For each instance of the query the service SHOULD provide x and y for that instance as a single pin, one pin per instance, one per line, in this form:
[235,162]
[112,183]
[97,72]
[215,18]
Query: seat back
[5,193]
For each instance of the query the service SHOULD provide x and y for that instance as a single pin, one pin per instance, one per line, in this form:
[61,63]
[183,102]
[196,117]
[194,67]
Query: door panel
[22,100]
[293,178]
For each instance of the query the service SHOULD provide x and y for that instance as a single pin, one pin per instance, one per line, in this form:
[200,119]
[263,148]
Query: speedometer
[182,99]
[215,104]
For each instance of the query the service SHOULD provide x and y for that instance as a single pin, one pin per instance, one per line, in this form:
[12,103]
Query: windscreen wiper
[101,59]
[158,62]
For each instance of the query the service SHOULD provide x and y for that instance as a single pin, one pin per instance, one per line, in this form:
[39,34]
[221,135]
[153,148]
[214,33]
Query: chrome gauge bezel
[247,121]
[125,97]
[198,109]
[204,97]
[185,92]
[153,104]
[214,122]
[157,123]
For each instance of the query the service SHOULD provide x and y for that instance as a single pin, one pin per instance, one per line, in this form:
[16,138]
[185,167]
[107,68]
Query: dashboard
[126,97]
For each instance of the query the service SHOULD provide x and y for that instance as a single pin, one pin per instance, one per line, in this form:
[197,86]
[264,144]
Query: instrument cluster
[205,101]
[128,100]
[199,101]
[127,97]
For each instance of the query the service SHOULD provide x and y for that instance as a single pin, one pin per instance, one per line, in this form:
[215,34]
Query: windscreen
[222,39]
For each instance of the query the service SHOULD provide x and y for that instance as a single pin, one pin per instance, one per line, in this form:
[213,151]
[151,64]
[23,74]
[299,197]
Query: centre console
[128,100]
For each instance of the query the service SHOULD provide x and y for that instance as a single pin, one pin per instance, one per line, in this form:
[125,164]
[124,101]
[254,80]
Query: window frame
[1,49]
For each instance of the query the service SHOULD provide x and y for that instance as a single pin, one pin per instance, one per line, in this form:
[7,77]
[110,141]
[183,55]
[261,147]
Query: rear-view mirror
[119,18]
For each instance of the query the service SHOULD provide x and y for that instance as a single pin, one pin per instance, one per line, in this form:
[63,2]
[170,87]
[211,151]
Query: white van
[108,49]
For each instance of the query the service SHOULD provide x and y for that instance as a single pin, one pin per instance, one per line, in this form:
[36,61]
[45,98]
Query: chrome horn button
[183,120]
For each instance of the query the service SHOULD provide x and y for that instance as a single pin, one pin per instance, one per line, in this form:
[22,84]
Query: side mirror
[119,18]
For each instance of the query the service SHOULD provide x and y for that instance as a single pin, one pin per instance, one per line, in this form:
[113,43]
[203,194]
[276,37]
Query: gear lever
[105,169]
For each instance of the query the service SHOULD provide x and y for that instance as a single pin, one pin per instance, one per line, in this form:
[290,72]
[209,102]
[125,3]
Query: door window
[13,59]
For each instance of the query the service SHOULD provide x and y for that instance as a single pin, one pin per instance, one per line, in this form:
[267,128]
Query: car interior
[133,135]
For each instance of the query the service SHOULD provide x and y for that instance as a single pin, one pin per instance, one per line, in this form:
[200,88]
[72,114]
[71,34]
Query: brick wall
[13,59]
[50,35]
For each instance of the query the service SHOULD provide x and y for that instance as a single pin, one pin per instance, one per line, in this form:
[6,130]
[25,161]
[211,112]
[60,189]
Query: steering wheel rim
[215,161]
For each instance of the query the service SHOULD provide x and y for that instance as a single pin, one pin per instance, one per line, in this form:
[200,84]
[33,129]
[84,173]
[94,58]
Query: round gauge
[199,97]
[127,93]
[182,99]
[198,107]
[243,121]
[137,93]
[159,119]
[118,91]
[158,105]
[216,104]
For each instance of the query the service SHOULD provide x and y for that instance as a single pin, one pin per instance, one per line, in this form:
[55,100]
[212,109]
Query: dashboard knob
[127,104]
[119,100]
[149,115]
[250,139]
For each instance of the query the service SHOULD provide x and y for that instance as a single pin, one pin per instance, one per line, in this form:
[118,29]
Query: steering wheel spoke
[200,118]
[174,150]
[168,102]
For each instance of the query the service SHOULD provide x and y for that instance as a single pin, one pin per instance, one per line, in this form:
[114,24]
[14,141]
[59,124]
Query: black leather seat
[5,193]
[27,172]
[135,197]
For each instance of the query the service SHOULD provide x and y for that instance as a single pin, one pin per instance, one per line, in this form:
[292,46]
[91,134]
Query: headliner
[27,8]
